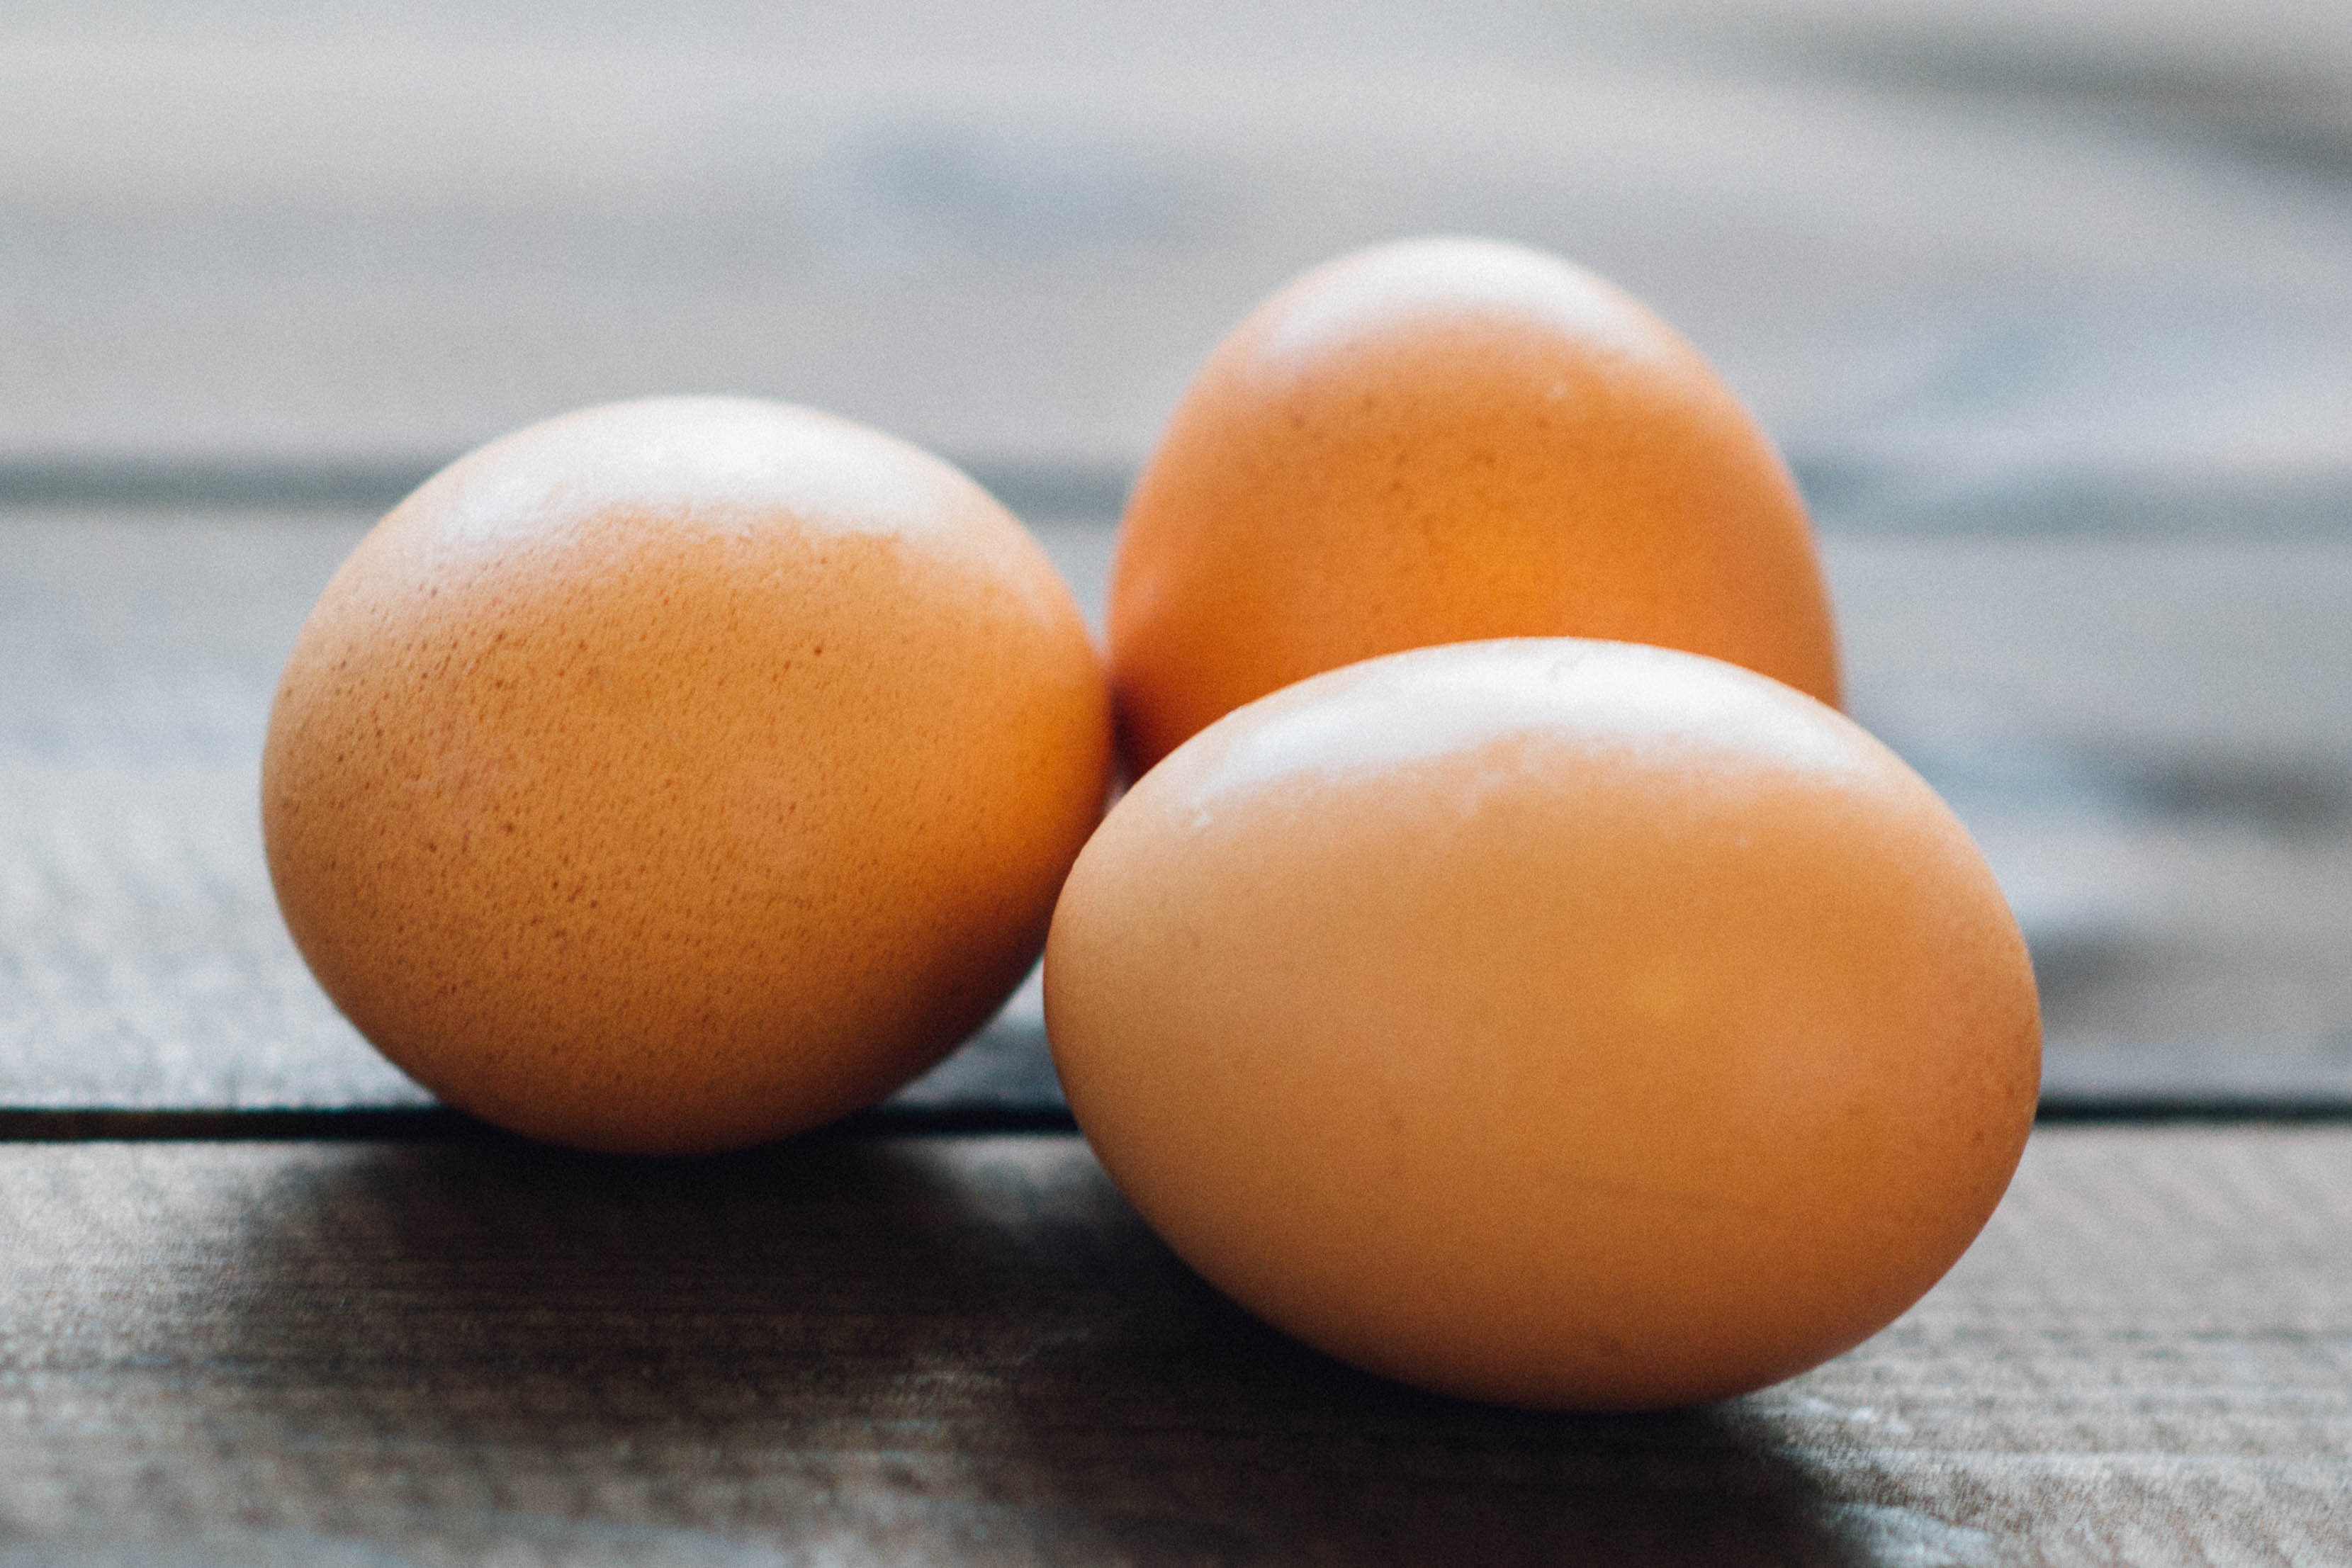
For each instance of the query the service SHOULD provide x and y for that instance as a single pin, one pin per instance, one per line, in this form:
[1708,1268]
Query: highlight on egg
[1443,439]
[676,775]
[1555,1022]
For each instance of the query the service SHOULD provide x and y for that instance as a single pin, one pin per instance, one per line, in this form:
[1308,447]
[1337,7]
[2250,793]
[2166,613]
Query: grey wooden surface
[968,1349]
[2146,734]
[1997,265]
[2049,302]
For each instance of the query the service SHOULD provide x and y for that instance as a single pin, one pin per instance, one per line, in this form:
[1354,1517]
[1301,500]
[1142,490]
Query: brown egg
[680,774]
[1443,440]
[1561,1023]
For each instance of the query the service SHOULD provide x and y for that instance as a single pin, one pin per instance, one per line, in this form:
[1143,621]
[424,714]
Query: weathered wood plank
[968,1350]
[142,963]
[1982,268]
[2148,736]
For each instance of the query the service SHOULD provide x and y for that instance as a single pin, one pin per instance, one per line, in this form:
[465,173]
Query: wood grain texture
[142,962]
[2148,736]
[913,1351]
[1989,266]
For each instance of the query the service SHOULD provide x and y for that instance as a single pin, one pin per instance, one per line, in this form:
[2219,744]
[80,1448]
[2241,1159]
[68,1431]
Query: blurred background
[2049,304]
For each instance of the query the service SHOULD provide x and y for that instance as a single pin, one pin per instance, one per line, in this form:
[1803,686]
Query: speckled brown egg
[676,775]
[1442,439]
[1562,1023]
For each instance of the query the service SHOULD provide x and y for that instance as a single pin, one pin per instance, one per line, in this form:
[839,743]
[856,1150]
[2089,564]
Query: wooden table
[2059,338]
[965,1348]
[263,1302]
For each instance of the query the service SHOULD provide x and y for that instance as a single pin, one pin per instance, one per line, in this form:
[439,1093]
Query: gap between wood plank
[438,1125]
[361,484]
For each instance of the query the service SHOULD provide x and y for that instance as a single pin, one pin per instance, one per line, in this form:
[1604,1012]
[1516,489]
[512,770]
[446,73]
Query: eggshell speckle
[1442,439]
[1562,1023]
[680,774]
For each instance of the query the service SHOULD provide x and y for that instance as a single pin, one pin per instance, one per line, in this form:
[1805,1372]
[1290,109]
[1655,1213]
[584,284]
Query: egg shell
[1439,441]
[1554,1022]
[679,774]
